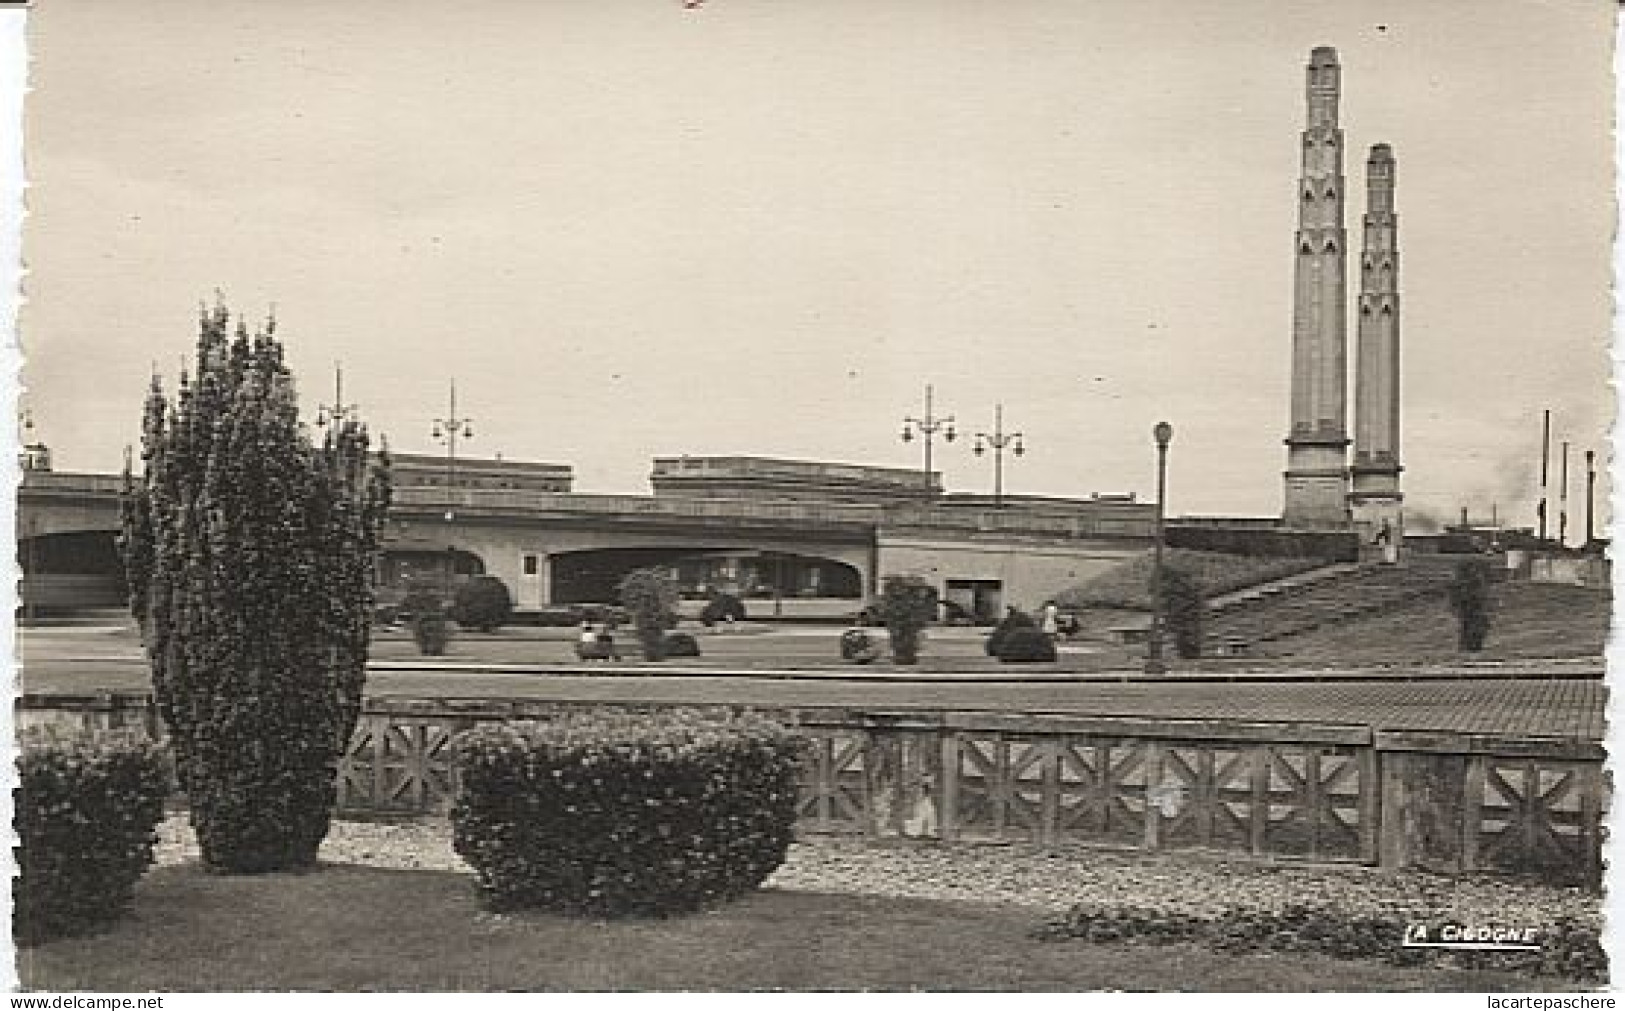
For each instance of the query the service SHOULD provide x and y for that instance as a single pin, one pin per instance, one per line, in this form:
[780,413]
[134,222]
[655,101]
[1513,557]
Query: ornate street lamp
[1164,434]
[338,410]
[448,430]
[998,441]
[927,426]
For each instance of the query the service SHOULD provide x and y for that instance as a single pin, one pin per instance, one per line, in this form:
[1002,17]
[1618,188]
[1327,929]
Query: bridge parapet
[1006,522]
[101,491]
[521,504]
[1110,523]
[58,483]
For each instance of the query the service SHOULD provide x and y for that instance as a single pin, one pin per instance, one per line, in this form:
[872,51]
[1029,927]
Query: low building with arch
[793,538]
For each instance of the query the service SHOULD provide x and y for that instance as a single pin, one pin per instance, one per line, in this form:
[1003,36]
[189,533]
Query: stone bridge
[562,547]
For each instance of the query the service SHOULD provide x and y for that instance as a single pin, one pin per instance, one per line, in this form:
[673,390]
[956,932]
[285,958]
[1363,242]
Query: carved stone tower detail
[1375,497]
[1317,444]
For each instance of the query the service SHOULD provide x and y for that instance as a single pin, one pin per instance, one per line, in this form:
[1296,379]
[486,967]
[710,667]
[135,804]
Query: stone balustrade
[1448,802]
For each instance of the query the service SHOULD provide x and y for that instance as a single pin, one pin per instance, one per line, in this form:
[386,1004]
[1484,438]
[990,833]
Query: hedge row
[608,813]
[1567,948]
[86,817]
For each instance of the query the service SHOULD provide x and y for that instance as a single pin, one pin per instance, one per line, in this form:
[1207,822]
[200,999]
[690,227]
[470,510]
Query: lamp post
[338,410]
[28,587]
[1164,434]
[1591,492]
[927,426]
[1563,499]
[448,430]
[998,441]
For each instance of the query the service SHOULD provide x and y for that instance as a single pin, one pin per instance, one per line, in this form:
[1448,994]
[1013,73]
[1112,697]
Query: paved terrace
[1560,708]
[1541,698]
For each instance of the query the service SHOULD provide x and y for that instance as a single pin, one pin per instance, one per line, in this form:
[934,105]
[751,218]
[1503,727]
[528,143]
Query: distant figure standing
[587,642]
[1389,544]
[1050,625]
[606,641]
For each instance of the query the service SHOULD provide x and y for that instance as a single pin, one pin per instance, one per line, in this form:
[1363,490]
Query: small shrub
[858,646]
[907,604]
[1470,600]
[418,602]
[681,644]
[1014,618]
[87,808]
[430,632]
[722,607]
[615,814]
[650,598]
[1026,645]
[482,604]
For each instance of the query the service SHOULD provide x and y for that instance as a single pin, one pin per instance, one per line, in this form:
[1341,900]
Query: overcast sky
[632,229]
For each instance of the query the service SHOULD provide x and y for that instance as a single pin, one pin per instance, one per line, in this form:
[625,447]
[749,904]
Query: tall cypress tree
[250,558]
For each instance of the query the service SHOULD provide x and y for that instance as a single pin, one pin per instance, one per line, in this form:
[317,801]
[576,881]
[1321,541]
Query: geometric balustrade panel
[834,793]
[396,764]
[1101,790]
[1002,786]
[1205,795]
[1313,795]
[1539,816]
[1287,800]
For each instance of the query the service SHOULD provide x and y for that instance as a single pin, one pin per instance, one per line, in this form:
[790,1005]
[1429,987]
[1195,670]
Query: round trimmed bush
[681,644]
[87,810]
[859,646]
[483,604]
[615,814]
[418,602]
[430,632]
[722,607]
[1026,645]
[1014,618]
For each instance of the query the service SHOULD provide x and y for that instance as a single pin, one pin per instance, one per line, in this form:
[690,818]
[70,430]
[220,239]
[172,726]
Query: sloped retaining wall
[1447,802]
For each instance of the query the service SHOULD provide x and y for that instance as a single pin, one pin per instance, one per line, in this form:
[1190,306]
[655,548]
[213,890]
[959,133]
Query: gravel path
[1047,881]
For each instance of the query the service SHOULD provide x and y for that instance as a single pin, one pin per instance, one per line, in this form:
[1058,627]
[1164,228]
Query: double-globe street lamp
[448,430]
[927,426]
[338,411]
[1164,434]
[999,440]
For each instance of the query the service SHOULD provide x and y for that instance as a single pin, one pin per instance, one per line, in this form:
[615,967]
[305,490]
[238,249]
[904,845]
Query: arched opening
[590,577]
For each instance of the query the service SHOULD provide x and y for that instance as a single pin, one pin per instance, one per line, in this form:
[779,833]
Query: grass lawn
[1529,620]
[348,927]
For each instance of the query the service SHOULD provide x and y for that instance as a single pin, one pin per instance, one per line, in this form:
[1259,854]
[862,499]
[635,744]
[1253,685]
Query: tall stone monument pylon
[1374,498]
[1317,444]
